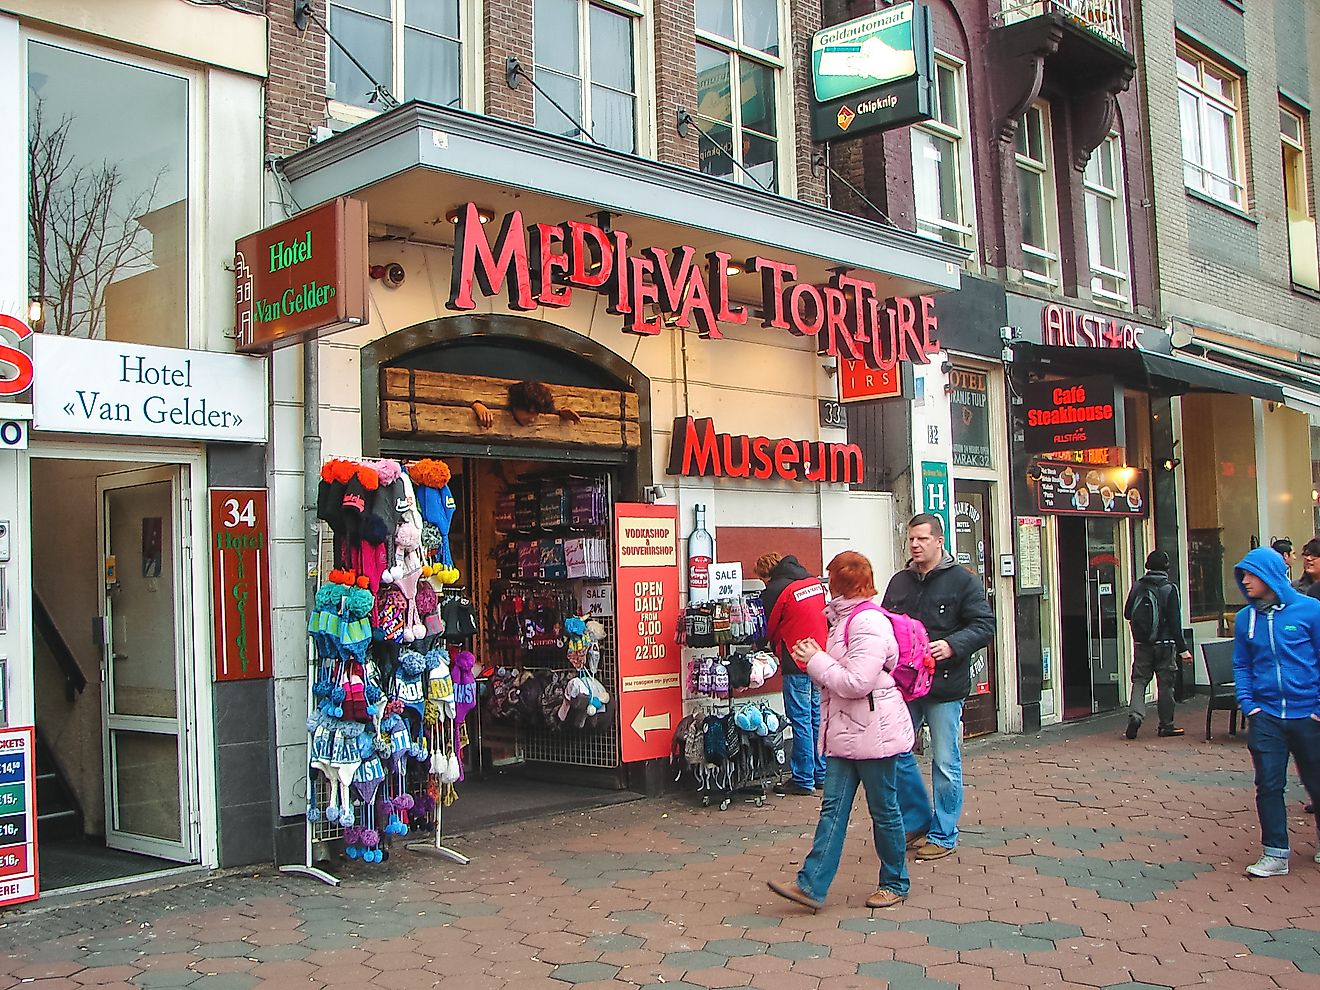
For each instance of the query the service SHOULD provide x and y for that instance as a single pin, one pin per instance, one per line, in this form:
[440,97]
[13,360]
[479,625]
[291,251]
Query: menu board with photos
[1078,490]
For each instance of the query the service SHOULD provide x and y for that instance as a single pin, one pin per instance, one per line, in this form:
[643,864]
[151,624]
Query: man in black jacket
[1157,652]
[950,602]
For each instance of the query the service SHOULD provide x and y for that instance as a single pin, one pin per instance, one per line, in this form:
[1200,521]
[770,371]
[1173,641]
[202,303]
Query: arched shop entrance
[531,536]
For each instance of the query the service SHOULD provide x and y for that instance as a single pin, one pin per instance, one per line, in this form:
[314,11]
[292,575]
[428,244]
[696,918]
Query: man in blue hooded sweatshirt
[1276,666]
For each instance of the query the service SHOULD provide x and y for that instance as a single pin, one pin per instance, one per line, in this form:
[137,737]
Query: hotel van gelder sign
[302,278]
[544,264]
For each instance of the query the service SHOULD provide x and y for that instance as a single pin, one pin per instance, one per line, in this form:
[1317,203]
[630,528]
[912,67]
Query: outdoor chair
[1223,692]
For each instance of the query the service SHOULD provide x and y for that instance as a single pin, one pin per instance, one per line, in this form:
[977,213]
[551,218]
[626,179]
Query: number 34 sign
[240,583]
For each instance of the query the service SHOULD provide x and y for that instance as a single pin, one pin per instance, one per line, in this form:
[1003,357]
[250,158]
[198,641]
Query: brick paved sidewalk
[1086,861]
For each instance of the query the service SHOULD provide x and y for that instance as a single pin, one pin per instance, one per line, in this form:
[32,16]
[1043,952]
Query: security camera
[653,493]
[391,274]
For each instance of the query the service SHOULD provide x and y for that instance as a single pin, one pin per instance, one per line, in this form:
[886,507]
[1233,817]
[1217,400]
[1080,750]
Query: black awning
[1174,374]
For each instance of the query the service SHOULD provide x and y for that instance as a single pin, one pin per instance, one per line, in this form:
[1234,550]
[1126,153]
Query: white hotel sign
[108,388]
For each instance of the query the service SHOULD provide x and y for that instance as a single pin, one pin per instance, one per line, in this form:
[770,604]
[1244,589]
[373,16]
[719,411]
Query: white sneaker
[1271,866]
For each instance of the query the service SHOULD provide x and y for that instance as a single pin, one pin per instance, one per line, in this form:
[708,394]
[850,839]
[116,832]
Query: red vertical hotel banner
[646,616]
[240,583]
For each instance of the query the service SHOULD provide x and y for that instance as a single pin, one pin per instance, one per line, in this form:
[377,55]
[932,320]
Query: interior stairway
[58,814]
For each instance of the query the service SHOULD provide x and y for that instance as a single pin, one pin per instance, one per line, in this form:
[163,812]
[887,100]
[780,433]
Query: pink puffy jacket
[852,680]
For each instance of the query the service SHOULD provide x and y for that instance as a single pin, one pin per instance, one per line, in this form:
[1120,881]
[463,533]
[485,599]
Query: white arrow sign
[645,723]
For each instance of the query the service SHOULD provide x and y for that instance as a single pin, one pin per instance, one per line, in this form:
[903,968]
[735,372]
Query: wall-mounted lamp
[483,214]
[391,274]
[945,367]
[36,314]
[653,493]
[830,369]
[1171,463]
[734,268]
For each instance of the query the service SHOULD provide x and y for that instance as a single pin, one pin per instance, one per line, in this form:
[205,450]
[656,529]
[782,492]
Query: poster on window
[970,408]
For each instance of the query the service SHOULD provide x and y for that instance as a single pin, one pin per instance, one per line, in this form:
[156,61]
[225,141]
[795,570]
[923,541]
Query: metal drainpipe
[311,466]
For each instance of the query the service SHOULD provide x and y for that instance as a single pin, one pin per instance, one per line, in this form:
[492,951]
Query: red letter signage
[697,450]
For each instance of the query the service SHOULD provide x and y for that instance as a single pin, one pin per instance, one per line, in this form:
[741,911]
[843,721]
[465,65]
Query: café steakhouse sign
[543,264]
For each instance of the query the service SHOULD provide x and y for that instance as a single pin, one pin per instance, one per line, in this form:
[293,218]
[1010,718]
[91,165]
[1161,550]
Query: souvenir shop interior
[458,672]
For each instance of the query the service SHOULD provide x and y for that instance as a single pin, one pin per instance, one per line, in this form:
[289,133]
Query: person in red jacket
[794,604]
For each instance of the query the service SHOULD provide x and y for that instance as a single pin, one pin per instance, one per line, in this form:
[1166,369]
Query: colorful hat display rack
[382,690]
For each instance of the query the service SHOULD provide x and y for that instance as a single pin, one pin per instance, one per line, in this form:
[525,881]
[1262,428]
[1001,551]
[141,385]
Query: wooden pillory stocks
[435,404]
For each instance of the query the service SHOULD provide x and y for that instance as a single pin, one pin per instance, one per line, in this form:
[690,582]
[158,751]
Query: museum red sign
[544,265]
[646,617]
[1074,414]
[695,449]
[240,584]
[302,278]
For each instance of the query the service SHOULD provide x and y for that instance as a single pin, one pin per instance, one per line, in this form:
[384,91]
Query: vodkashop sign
[546,264]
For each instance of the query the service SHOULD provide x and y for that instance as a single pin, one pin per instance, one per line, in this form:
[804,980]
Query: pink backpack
[915,669]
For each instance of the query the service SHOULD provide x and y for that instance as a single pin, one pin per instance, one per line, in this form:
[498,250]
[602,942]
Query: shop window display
[403,709]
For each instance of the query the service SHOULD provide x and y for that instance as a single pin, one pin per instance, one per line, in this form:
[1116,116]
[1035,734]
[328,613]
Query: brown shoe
[794,893]
[932,851]
[883,899]
[915,839]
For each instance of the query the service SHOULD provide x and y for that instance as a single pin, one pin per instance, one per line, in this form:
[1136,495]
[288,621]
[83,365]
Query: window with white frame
[1106,223]
[109,195]
[585,59]
[1294,134]
[940,177]
[411,47]
[1209,98]
[1034,156]
[739,69]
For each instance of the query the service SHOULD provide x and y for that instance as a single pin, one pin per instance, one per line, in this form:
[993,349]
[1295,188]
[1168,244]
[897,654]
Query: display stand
[320,790]
[307,867]
[438,847]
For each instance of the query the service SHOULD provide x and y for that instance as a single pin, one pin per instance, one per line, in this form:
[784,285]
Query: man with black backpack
[1154,611]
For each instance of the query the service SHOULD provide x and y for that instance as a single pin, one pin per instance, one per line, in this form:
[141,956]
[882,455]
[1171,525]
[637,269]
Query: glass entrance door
[973,550]
[147,792]
[1103,612]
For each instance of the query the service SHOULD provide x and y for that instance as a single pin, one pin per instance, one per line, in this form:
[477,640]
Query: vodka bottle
[701,553]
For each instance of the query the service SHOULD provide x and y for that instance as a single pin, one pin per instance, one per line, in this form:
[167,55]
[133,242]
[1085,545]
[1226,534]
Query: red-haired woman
[864,726]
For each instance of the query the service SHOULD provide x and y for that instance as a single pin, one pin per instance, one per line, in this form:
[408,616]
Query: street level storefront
[1247,467]
[684,328]
[146,688]
[1097,451]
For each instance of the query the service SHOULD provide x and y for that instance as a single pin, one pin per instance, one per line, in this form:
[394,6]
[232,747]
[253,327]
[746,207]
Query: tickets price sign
[18,816]
[646,617]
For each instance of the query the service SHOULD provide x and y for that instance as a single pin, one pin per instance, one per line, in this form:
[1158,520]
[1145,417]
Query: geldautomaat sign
[544,264]
[302,278]
[872,73]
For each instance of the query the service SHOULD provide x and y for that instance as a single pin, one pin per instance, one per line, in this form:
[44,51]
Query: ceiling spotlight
[483,214]
[733,268]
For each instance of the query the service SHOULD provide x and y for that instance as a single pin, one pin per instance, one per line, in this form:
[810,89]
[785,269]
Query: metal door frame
[181,598]
[198,686]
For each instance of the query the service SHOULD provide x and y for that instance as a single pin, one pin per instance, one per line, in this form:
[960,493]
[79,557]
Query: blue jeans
[1270,740]
[939,822]
[802,706]
[841,780]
